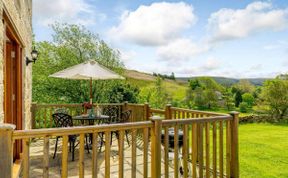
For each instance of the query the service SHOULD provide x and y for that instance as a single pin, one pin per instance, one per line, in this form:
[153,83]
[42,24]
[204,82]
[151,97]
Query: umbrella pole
[90,90]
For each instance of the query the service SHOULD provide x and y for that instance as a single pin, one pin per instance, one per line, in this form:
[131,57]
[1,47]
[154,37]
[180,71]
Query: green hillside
[176,90]
[227,81]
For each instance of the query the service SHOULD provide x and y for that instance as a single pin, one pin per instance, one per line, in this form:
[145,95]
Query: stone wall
[20,13]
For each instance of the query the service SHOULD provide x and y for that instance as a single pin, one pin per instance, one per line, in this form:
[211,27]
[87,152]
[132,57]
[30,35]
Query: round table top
[87,117]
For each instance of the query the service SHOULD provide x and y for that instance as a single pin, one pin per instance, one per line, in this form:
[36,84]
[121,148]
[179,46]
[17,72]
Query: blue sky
[230,38]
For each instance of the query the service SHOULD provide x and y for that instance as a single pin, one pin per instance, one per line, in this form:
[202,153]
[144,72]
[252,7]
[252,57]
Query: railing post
[6,149]
[234,163]
[156,147]
[33,115]
[146,111]
[125,105]
[168,113]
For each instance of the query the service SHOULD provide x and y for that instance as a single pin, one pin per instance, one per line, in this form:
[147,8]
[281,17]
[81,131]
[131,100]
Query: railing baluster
[121,154]
[145,154]
[94,155]
[81,156]
[214,149]
[65,157]
[156,147]
[194,149]
[45,117]
[133,134]
[166,152]
[221,148]
[200,149]
[46,157]
[107,153]
[50,117]
[228,148]
[26,158]
[207,149]
[176,155]
[185,150]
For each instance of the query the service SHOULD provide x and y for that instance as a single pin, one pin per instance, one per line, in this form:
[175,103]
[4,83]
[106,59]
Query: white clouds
[227,24]
[180,49]
[127,56]
[156,24]
[69,11]
[281,44]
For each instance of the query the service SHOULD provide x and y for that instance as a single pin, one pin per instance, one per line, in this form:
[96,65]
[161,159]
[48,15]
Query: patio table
[91,119]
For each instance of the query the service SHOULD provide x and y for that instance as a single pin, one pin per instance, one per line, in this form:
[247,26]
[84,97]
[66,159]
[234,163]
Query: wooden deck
[36,161]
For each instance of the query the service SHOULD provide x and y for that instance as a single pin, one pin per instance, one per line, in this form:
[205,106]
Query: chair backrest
[125,116]
[62,120]
[61,110]
[112,112]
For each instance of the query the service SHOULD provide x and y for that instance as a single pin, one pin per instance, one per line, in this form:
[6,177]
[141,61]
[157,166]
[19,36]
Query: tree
[237,98]
[228,99]
[156,95]
[275,94]
[172,76]
[245,86]
[243,107]
[73,44]
[205,92]
[248,98]
[193,84]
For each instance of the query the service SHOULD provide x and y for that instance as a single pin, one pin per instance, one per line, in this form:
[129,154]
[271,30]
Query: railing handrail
[195,120]
[74,104]
[37,133]
[198,112]
[157,111]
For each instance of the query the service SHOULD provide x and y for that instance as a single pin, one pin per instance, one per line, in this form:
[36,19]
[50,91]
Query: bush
[248,98]
[243,107]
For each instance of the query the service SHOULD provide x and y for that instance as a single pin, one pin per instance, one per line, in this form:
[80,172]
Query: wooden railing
[210,144]
[42,113]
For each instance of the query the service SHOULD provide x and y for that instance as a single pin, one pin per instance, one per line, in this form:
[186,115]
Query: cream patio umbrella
[89,70]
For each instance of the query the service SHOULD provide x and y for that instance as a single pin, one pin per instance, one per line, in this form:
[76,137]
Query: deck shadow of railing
[210,141]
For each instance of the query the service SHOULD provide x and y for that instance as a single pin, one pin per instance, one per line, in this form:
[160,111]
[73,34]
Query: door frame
[10,34]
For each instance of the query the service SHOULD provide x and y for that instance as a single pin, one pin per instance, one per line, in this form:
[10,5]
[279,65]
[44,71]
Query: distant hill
[176,89]
[145,81]
[227,81]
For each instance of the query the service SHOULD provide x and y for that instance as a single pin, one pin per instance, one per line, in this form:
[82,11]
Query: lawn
[263,150]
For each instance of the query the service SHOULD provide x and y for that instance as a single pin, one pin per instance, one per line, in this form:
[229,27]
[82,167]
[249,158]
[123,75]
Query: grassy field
[263,150]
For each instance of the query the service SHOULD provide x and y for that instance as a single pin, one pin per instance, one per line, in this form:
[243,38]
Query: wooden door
[13,90]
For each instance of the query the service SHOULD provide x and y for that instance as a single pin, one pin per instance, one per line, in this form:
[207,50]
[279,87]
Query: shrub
[243,107]
[248,98]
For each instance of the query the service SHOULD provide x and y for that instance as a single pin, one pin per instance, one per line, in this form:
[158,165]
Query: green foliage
[275,94]
[193,84]
[237,98]
[248,98]
[73,44]
[164,76]
[244,107]
[157,95]
[204,92]
[228,100]
[244,86]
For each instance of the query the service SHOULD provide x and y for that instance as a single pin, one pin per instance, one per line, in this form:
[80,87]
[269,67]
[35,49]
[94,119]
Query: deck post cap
[234,113]
[156,118]
[7,126]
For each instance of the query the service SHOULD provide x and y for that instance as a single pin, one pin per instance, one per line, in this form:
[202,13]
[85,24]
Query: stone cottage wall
[20,12]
